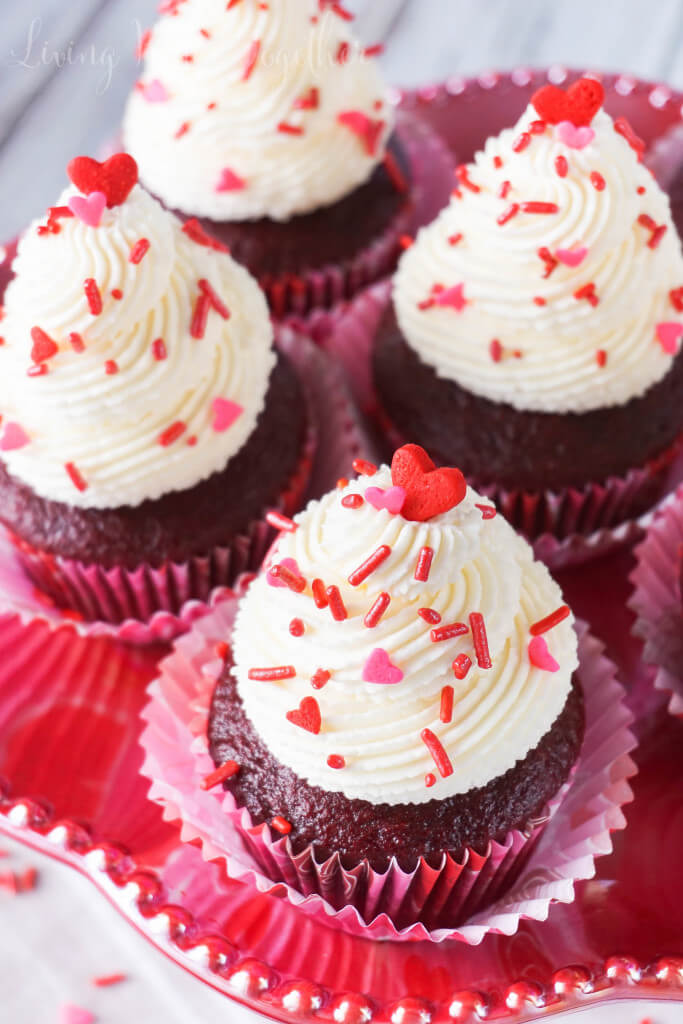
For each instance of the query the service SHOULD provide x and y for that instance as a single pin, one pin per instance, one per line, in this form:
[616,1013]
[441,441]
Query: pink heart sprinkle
[452,297]
[70,1014]
[289,563]
[668,335]
[14,437]
[572,257]
[379,669]
[540,656]
[230,182]
[392,499]
[89,209]
[155,92]
[573,136]
[225,413]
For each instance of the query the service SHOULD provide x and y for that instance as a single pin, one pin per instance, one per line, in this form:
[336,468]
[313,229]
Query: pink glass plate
[69,728]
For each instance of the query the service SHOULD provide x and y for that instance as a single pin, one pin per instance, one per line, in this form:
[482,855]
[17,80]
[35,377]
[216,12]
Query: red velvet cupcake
[400,693]
[534,338]
[271,125]
[139,389]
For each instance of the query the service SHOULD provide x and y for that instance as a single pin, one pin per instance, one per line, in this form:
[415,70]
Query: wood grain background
[66,66]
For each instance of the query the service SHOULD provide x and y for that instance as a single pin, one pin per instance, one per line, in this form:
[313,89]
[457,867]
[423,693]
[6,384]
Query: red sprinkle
[336,603]
[159,349]
[272,674]
[37,371]
[430,780]
[395,173]
[597,181]
[289,578]
[364,468]
[75,477]
[377,611]
[487,511]
[641,190]
[207,289]
[446,710]
[352,501]
[43,346]
[405,241]
[370,564]
[454,239]
[543,625]
[507,214]
[319,594]
[623,128]
[481,643]
[424,564]
[429,615]
[289,129]
[139,250]
[537,127]
[225,771]
[281,522]
[222,650]
[200,316]
[447,632]
[536,207]
[172,433]
[561,166]
[92,294]
[676,299]
[27,879]
[105,980]
[309,101]
[550,261]
[495,350]
[296,627]
[587,292]
[252,57]
[504,189]
[117,294]
[111,367]
[343,51]
[539,300]
[342,482]
[281,824]
[183,130]
[601,357]
[194,231]
[462,174]
[76,342]
[336,761]
[319,678]
[497,162]
[521,142]
[441,758]
[461,666]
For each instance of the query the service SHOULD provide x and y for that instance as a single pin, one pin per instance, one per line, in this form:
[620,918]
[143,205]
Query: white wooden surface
[65,69]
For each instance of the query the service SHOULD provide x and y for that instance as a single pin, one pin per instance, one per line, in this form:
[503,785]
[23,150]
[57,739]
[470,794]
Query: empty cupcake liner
[148,604]
[564,527]
[658,602]
[310,302]
[519,877]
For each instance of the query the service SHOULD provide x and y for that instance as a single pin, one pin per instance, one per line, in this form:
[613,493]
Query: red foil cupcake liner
[658,602]
[519,877]
[148,604]
[564,527]
[311,302]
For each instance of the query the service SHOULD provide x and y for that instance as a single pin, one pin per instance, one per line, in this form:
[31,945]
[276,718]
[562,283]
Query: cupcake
[270,126]
[534,337]
[400,694]
[147,420]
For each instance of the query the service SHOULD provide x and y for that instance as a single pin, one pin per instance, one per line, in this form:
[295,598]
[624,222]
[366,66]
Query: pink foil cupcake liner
[521,876]
[149,605]
[657,600]
[564,527]
[312,302]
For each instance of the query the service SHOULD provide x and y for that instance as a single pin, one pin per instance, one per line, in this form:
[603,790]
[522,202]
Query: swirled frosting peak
[400,660]
[249,110]
[135,357]
[552,281]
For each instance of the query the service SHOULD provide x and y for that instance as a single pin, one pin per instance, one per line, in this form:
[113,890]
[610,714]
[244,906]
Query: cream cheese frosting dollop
[252,110]
[131,405]
[480,566]
[558,311]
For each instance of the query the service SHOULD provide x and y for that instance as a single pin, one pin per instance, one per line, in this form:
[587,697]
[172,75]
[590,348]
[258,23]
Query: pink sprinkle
[392,499]
[452,297]
[289,563]
[380,669]
[540,656]
[70,1014]
[155,91]
[88,209]
[13,438]
[229,181]
[668,334]
[225,413]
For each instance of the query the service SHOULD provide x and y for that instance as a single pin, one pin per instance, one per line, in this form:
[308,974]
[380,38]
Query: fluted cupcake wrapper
[155,604]
[657,600]
[565,526]
[518,877]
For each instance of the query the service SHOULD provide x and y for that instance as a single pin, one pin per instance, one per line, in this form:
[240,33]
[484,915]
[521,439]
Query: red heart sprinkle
[579,104]
[115,177]
[306,716]
[429,491]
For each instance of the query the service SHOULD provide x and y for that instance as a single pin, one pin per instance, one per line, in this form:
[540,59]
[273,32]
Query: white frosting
[479,565]
[283,174]
[502,274]
[108,425]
